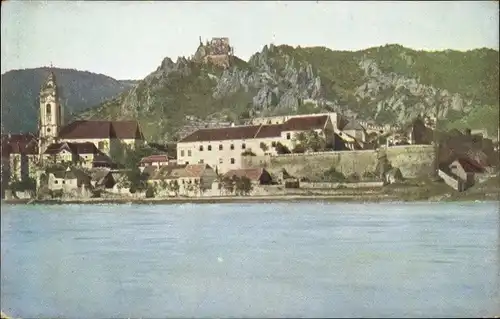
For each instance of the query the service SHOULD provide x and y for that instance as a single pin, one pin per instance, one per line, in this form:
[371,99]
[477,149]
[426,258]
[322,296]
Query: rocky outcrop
[287,80]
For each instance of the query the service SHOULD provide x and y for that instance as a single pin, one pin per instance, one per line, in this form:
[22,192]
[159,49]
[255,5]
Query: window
[56,182]
[100,145]
[243,146]
[220,160]
[189,152]
[201,148]
[209,147]
[232,147]
[48,129]
[64,182]
[187,163]
[182,153]
[48,110]
[220,147]
[269,122]
[232,160]
[201,161]
[273,144]
[288,136]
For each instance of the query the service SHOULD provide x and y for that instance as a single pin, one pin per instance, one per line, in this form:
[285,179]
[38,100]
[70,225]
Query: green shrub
[248,153]
[150,191]
[331,175]
[282,149]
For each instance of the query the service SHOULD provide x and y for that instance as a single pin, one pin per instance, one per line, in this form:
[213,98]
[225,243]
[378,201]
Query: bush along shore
[430,191]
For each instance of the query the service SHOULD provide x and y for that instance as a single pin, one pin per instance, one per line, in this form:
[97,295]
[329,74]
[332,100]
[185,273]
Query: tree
[281,149]
[264,147]
[174,186]
[243,185]
[331,175]
[248,153]
[228,184]
[150,191]
[198,186]
[309,141]
[299,148]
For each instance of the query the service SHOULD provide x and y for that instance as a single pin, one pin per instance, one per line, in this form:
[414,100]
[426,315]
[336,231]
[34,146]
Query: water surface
[251,260]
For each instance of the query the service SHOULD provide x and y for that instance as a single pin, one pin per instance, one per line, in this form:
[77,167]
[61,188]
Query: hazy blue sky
[130,39]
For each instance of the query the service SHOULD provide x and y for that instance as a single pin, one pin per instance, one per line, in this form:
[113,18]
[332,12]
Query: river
[306,259]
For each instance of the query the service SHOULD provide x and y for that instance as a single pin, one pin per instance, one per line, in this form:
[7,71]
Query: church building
[80,142]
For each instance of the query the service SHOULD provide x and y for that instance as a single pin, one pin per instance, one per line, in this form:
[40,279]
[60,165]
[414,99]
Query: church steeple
[50,112]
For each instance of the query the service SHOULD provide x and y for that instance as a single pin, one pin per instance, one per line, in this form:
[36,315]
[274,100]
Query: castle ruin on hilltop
[217,51]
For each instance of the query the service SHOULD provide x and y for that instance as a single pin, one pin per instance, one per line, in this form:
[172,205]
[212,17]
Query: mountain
[78,91]
[389,84]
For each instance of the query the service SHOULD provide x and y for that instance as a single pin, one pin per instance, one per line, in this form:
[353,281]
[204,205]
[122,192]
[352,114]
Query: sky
[128,40]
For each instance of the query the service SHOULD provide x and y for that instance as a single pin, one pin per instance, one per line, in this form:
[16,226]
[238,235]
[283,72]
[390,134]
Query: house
[455,144]
[102,177]
[82,154]
[68,181]
[187,180]
[156,161]
[346,142]
[222,148]
[258,176]
[414,132]
[354,130]
[336,119]
[467,170]
[19,156]
[103,161]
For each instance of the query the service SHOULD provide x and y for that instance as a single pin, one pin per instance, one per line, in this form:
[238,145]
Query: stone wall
[314,164]
[323,185]
[412,160]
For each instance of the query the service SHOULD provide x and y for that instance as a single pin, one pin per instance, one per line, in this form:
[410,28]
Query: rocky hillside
[389,85]
[78,89]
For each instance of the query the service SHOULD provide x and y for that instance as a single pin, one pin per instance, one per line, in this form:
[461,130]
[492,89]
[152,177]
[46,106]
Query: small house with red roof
[467,170]
[156,161]
[187,180]
[258,176]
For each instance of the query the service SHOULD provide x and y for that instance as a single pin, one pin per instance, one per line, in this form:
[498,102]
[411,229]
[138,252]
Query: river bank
[257,199]
[426,191]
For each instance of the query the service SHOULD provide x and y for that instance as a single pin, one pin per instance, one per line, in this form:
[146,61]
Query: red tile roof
[76,148]
[253,174]
[470,166]
[180,171]
[305,123]
[25,143]
[267,131]
[155,158]
[220,134]
[127,129]
[101,129]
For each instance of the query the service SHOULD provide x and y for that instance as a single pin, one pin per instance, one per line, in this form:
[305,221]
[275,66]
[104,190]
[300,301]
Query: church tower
[50,113]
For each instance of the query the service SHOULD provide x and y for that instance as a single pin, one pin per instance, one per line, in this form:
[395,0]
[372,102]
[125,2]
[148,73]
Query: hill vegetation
[388,84]
[78,91]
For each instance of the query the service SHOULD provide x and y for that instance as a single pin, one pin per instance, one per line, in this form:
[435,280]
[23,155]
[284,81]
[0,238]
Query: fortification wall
[314,164]
[412,160]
